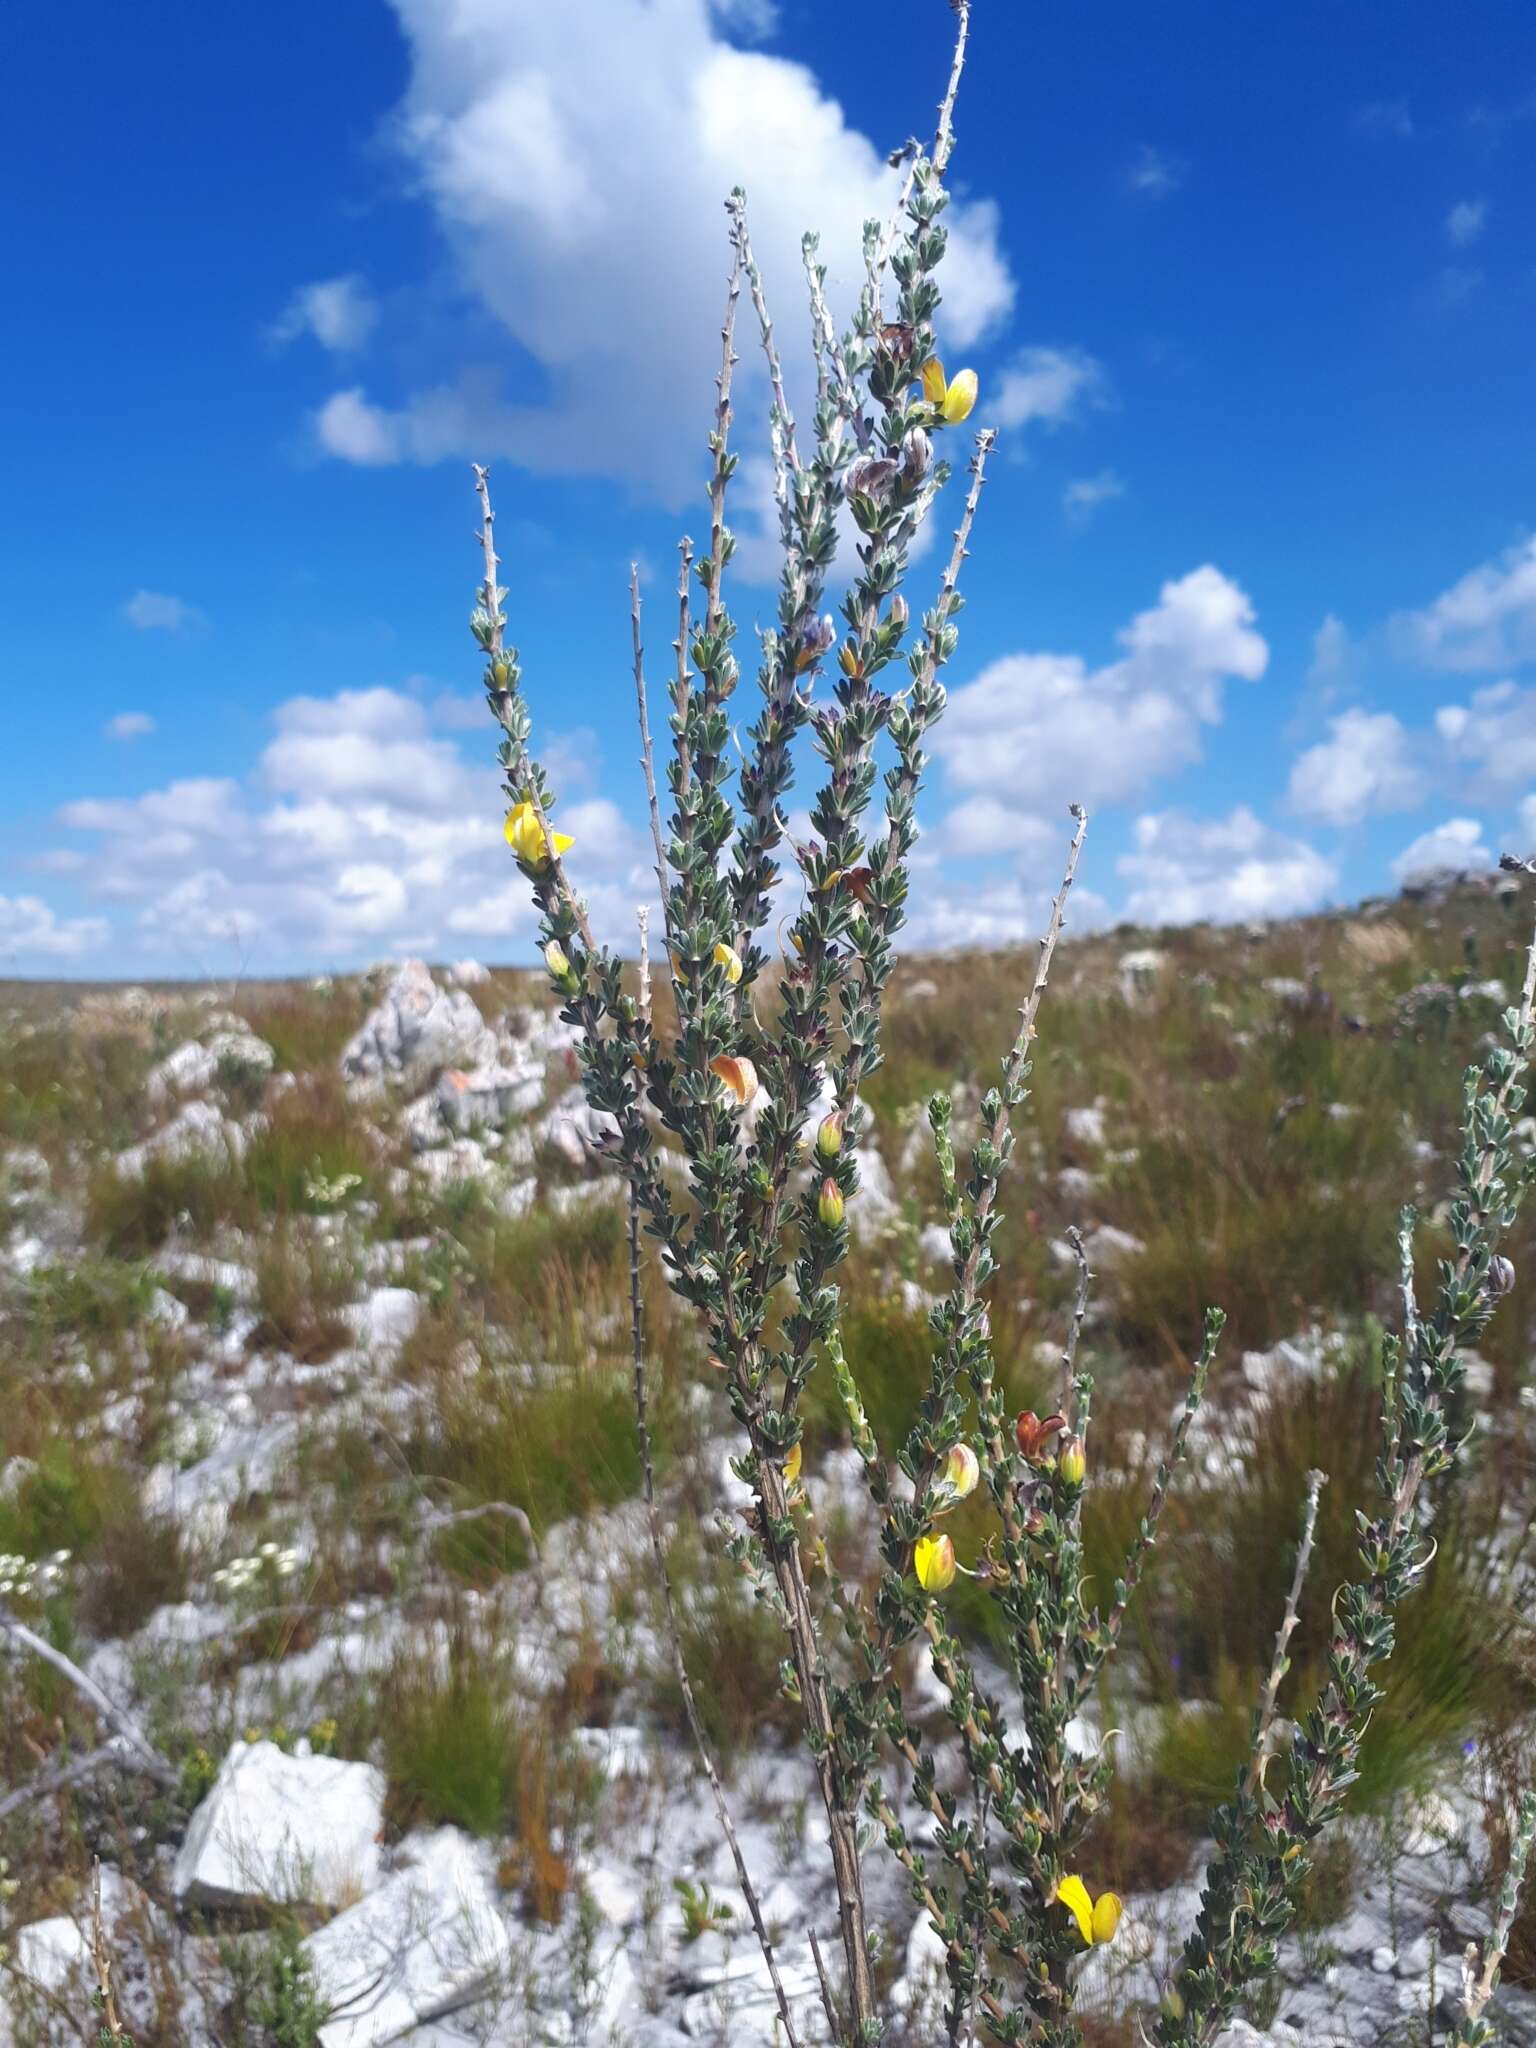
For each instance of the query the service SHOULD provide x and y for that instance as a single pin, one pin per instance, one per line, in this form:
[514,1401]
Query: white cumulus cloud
[1492,737]
[1369,764]
[1036,729]
[1185,870]
[1454,848]
[577,161]
[1465,222]
[359,829]
[30,927]
[1485,621]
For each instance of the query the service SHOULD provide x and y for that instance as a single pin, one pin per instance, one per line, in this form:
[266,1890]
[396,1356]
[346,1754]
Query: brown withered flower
[1033,1434]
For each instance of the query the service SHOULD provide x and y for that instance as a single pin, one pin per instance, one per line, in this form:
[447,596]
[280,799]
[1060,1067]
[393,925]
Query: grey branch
[1280,1663]
[145,1756]
[647,754]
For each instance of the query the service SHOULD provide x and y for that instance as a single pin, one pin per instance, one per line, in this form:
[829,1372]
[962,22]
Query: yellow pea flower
[791,1465]
[933,1559]
[534,846]
[739,1075]
[954,398]
[961,1471]
[960,398]
[1097,1918]
[728,958]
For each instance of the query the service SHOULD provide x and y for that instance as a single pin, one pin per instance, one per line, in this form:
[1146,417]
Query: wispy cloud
[1465,222]
[1085,494]
[1485,621]
[1155,173]
[1387,117]
[156,611]
[129,725]
[1049,386]
[338,312]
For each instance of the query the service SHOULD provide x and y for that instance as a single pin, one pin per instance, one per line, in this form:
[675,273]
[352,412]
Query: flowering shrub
[764,1100]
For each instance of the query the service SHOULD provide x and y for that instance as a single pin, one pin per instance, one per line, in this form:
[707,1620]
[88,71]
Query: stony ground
[317,1463]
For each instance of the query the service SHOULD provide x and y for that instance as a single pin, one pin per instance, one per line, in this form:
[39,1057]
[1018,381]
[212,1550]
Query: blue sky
[1250,291]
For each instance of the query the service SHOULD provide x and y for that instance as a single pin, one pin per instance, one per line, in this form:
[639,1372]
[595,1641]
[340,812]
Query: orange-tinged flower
[534,844]
[933,1559]
[1097,1918]
[1033,1434]
[738,1074]
[961,1471]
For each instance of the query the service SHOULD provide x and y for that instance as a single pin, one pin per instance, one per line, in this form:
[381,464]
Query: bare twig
[449,1518]
[681,688]
[643,921]
[944,140]
[61,1776]
[145,1755]
[1478,1986]
[719,440]
[986,440]
[647,756]
[674,1634]
[101,1955]
[828,2002]
[1280,1662]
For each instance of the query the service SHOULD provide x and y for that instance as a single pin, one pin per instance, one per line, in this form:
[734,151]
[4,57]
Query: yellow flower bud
[534,846]
[829,1136]
[739,1075]
[933,1559]
[557,960]
[829,1204]
[960,398]
[961,1471]
[728,958]
[1072,1461]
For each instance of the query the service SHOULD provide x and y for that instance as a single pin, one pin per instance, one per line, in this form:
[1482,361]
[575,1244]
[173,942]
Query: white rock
[489,1094]
[416,1030]
[386,1319]
[574,1129]
[469,973]
[287,1829]
[875,1205]
[1085,1126]
[198,1131]
[1139,970]
[428,1941]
